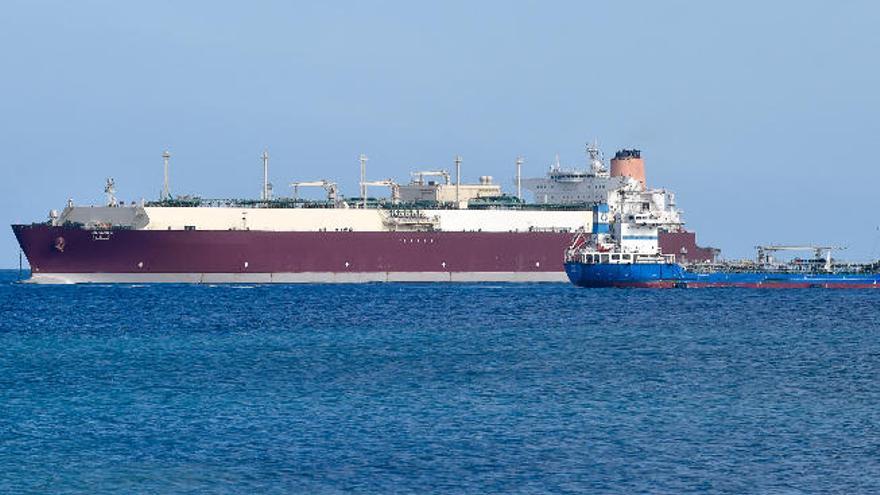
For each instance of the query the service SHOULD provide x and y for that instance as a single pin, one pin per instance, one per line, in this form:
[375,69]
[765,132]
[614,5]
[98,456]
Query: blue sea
[419,388]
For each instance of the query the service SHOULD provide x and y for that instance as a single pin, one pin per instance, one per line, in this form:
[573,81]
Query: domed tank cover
[59,244]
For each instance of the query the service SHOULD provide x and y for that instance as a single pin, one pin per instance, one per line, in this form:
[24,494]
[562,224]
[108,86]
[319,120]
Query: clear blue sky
[762,116]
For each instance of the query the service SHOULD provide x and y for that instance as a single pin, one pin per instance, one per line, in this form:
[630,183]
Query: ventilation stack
[629,163]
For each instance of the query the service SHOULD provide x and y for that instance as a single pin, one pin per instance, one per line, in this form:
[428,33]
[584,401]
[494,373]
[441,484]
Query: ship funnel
[629,163]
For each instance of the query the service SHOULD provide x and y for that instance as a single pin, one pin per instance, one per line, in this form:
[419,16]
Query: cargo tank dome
[629,163]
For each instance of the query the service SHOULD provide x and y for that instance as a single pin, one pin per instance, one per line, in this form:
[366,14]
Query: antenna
[265,157]
[519,162]
[363,160]
[457,181]
[166,191]
[110,191]
[595,156]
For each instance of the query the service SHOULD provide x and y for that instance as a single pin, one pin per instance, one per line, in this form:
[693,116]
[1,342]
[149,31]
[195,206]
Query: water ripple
[437,388]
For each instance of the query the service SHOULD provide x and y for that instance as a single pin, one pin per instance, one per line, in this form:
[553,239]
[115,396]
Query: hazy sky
[761,116]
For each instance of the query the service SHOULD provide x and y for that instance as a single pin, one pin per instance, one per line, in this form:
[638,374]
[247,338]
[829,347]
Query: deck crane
[330,187]
[395,188]
[419,177]
[765,253]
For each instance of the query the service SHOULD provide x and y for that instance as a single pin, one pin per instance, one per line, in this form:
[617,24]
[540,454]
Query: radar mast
[595,156]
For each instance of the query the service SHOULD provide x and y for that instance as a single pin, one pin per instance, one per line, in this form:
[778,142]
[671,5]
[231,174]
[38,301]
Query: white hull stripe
[293,278]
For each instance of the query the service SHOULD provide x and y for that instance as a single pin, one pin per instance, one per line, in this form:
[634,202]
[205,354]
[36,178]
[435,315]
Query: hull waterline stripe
[294,278]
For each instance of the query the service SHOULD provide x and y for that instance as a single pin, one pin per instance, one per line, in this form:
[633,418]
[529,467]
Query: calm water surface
[437,388]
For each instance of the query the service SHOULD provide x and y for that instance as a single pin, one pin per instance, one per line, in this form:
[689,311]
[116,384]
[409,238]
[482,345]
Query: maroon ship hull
[683,245]
[70,254]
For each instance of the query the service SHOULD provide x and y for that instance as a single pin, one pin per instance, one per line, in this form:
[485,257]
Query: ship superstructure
[624,186]
[568,185]
[432,228]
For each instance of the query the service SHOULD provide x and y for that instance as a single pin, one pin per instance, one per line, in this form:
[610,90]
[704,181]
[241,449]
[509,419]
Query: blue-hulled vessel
[622,251]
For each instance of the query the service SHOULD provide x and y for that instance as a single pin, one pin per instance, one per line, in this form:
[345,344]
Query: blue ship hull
[669,275]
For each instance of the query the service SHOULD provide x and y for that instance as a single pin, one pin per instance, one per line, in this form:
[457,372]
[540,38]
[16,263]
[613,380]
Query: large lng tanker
[431,229]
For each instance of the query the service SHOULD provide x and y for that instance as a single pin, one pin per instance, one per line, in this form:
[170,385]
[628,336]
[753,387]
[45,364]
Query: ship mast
[595,156]
[457,181]
[110,191]
[265,157]
[519,162]
[166,191]
[363,160]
